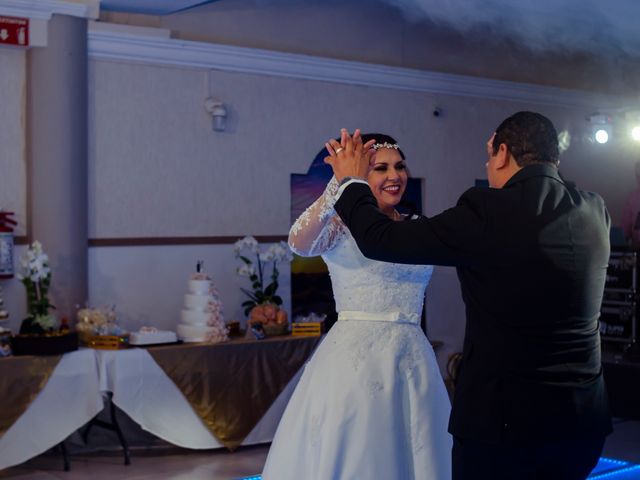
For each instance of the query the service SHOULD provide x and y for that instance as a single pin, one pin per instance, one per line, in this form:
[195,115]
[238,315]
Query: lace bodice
[359,284]
[368,285]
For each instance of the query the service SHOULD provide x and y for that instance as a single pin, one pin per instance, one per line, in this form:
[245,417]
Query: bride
[371,402]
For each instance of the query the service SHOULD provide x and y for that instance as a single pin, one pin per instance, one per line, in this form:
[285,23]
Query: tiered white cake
[201,320]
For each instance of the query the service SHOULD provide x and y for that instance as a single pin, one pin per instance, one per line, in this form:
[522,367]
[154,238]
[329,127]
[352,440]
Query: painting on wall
[310,283]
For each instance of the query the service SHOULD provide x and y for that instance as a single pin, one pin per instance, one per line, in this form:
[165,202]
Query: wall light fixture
[218,113]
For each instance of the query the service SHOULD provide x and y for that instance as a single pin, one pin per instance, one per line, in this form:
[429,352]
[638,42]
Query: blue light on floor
[607,468]
[608,465]
[630,472]
[613,461]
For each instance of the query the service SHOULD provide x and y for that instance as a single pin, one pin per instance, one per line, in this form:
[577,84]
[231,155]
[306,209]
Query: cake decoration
[202,319]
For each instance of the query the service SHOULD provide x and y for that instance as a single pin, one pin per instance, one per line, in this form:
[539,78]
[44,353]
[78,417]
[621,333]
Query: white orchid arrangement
[36,277]
[274,254]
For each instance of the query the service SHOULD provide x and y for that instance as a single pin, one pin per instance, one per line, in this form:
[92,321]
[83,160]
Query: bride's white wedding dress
[371,403]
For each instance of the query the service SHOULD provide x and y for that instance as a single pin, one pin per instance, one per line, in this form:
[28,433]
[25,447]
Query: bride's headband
[377,146]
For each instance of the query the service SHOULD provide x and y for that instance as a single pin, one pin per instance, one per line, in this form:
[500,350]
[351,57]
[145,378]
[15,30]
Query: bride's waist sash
[396,317]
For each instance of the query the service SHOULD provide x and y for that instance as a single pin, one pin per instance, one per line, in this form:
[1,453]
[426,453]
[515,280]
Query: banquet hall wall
[156,170]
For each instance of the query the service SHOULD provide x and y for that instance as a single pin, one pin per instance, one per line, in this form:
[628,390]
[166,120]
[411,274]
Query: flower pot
[274,319]
[273,330]
[47,344]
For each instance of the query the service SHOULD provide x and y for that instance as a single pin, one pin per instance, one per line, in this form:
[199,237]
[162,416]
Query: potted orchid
[39,332]
[261,267]
[36,277]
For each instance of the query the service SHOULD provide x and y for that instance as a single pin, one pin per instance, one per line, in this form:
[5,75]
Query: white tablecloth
[74,395]
[70,399]
[144,392]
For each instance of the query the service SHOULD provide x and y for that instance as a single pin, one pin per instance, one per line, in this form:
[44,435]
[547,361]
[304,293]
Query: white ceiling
[607,28]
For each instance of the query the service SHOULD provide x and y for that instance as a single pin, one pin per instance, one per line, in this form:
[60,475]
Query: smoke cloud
[608,27]
[576,26]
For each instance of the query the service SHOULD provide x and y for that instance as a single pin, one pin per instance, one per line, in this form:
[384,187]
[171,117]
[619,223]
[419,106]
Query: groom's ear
[502,157]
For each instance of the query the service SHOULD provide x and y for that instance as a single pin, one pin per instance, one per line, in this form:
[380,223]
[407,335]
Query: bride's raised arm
[318,229]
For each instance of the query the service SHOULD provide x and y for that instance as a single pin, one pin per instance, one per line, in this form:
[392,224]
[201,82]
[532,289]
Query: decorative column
[57,155]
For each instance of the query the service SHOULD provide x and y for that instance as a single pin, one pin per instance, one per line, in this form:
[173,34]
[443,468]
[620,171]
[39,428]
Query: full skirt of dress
[371,404]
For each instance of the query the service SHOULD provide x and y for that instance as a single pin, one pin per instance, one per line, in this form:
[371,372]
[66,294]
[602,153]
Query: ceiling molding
[150,7]
[44,9]
[105,44]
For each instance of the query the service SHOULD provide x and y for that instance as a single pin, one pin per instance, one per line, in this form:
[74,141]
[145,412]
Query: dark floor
[621,451]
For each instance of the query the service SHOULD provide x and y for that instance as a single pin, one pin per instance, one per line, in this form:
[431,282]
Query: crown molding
[44,9]
[106,44]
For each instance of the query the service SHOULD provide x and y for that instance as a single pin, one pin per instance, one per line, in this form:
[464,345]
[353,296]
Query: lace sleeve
[318,229]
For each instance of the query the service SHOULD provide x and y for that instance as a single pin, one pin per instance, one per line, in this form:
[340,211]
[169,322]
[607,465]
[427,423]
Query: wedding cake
[201,319]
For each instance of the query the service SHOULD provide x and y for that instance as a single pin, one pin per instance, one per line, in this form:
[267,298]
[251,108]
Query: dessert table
[196,396]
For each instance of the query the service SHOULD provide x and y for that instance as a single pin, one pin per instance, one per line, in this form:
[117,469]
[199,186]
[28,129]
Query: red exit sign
[14,31]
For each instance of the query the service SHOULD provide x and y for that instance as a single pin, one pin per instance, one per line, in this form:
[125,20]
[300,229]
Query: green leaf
[277,300]
[271,289]
[245,260]
[250,295]
[248,303]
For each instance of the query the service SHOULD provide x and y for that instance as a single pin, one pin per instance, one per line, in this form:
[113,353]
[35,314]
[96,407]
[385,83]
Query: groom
[531,255]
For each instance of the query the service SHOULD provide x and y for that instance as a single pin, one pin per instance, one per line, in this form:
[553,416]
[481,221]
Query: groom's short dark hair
[530,138]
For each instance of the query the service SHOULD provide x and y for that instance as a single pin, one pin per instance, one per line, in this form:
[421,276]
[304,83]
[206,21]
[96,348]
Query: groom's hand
[349,157]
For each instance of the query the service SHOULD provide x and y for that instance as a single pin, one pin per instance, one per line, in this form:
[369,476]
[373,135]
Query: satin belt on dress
[396,317]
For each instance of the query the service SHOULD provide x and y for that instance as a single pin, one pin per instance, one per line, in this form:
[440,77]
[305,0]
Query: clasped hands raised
[349,157]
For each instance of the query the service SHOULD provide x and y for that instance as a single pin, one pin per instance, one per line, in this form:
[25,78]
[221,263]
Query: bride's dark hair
[382,138]
[409,208]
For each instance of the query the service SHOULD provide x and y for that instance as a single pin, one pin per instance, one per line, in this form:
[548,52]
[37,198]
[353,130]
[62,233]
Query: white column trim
[44,9]
[139,47]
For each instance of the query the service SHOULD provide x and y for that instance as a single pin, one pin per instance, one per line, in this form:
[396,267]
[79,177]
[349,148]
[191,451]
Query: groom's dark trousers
[560,460]
[531,258]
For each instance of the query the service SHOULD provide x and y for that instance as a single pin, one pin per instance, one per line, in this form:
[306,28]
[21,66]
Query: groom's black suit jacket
[531,259]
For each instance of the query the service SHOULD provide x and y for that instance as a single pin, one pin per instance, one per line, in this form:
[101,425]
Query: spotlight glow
[602,136]
[635,133]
